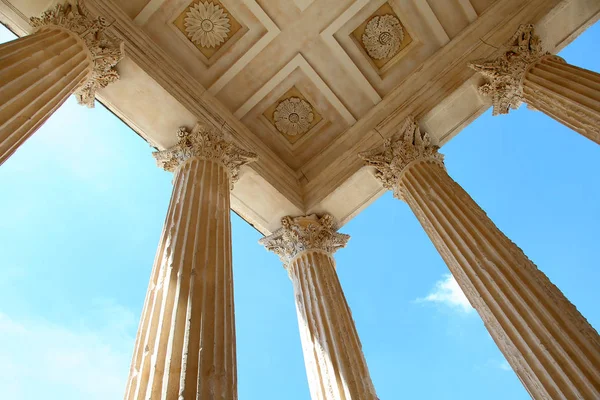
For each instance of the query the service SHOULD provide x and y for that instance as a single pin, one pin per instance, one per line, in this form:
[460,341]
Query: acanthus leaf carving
[105,49]
[205,143]
[299,234]
[505,73]
[407,146]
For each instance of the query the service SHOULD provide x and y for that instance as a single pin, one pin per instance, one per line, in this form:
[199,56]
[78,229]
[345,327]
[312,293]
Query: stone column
[185,347]
[69,52]
[526,73]
[549,344]
[335,364]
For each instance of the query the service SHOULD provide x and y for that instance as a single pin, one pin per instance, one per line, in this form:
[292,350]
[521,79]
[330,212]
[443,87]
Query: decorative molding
[383,36]
[149,9]
[293,116]
[205,143]
[207,24]
[297,62]
[339,53]
[468,9]
[505,73]
[304,233]
[433,22]
[303,4]
[409,145]
[272,32]
[106,50]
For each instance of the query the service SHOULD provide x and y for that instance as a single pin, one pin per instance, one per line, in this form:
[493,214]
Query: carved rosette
[105,49]
[207,24]
[208,144]
[304,233]
[293,116]
[383,36]
[505,73]
[407,146]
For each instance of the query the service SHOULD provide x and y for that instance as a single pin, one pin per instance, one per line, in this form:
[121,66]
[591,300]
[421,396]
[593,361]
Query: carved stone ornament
[207,24]
[383,36]
[505,73]
[106,50]
[304,233]
[208,144]
[293,116]
[408,145]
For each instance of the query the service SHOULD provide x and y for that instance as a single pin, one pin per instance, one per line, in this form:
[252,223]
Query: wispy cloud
[44,359]
[504,365]
[447,292]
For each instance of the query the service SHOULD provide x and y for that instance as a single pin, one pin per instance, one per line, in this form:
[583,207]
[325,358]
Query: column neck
[300,235]
[400,153]
[104,49]
[205,143]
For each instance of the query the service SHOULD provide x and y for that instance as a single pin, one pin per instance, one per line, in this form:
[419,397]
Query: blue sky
[83,206]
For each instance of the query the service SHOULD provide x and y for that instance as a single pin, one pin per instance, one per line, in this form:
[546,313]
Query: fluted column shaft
[550,345]
[186,341]
[335,364]
[37,74]
[68,53]
[185,347]
[333,354]
[569,94]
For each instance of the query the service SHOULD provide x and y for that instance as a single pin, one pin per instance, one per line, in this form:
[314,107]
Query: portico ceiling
[308,84]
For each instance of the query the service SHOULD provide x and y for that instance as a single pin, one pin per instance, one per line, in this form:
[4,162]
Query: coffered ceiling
[307,84]
[298,74]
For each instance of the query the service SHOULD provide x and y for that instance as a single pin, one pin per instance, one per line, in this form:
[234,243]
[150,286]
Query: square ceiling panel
[382,37]
[212,39]
[293,115]
[209,26]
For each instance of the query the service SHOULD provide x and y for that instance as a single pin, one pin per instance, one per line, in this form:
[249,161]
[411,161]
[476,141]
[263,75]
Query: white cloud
[504,366]
[447,292]
[43,359]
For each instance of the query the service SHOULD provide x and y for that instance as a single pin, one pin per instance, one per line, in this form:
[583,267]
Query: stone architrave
[335,364]
[549,344]
[69,52]
[524,72]
[185,347]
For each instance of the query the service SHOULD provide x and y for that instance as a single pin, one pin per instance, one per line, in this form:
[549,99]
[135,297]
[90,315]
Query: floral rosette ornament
[207,24]
[383,36]
[293,116]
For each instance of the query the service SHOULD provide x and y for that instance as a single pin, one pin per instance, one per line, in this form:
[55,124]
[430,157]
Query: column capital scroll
[105,49]
[299,234]
[407,146]
[205,143]
[505,73]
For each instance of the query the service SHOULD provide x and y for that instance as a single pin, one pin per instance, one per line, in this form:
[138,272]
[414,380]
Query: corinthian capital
[208,144]
[505,73]
[407,146]
[302,234]
[106,50]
